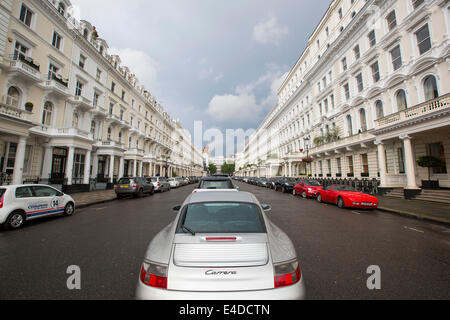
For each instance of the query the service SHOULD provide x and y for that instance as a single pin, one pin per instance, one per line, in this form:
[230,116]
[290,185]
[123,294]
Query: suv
[285,185]
[160,183]
[26,202]
[133,186]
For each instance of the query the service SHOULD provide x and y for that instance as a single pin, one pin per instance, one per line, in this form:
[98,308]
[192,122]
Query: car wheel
[283,190]
[304,195]
[140,193]
[152,192]
[69,209]
[15,220]
[341,203]
[319,198]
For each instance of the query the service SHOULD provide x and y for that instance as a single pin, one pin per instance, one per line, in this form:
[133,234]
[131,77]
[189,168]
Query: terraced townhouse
[71,113]
[367,98]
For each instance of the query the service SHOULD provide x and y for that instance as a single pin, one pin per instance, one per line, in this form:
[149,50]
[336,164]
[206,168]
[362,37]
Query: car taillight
[287,274]
[159,184]
[1,202]
[116,186]
[154,275]
[134,185]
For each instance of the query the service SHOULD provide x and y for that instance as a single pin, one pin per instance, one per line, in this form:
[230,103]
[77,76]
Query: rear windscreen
[223,218]
[225,184]
[125,181]
[2,191]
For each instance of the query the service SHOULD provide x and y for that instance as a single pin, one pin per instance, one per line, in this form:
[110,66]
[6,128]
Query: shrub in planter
[429,162]
[29,106]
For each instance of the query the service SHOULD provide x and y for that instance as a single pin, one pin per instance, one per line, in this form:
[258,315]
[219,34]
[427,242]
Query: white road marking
[356,212]
[414,229]
[98,209]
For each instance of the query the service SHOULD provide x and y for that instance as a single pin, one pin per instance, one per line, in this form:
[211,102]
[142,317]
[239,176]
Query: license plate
[367,204]
[124,187]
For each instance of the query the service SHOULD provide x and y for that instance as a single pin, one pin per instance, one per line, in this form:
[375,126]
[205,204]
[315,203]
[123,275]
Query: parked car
[222,246]
[347,197]
[181,181]
[262,182]
[284,185]
[160,183]
[136,187]
[216,183]
[271,183]
[174,183]
[307,188]
[20,203]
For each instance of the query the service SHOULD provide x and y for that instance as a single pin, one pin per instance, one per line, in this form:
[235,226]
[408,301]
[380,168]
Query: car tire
[304,195]
[341,203]
[15,220]
[140,193]
[152,192]
[319,198]
[69,210]
[283,190]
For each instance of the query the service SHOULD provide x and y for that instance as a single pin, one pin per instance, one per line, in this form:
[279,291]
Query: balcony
[62,132]
[99,111]
[109,144]
[356,141]
[425,110]
[124,124]
[14,112]
[56,86]
[135,152]
[112,118]
[25,68]
[82,103]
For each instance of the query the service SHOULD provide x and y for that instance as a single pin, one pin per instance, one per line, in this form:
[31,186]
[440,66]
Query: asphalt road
[335,247]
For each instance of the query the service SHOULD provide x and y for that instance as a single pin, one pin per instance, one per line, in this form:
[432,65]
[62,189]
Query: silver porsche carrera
[221,246]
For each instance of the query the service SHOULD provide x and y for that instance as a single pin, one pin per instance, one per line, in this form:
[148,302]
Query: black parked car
[262,182]
[271,183]
[285,185]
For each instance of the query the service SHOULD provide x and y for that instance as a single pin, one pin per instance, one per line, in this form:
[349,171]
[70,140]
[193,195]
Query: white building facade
[365,100]
[70,112]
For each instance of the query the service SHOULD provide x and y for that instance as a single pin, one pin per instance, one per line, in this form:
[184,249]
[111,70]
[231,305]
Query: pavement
[417,209]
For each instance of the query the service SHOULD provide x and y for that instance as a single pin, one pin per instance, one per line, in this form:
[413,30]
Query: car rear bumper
[126,191]
[295,292]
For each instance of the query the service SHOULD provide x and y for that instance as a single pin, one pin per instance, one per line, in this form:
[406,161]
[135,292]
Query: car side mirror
[176,208]
[238,188]
[266,207]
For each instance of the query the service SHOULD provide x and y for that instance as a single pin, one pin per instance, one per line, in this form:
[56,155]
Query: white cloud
[141,64]
[243,106]
[269,32]
[224,108]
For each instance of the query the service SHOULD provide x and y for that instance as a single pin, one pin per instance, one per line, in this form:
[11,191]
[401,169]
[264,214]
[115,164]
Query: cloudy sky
[220,62]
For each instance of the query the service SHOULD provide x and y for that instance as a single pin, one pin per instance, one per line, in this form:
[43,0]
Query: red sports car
[307,188]
[347,197]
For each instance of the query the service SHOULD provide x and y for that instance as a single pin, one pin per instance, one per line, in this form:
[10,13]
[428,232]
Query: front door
[58,166]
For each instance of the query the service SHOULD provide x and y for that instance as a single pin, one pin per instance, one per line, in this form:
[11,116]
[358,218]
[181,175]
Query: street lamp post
[306,140]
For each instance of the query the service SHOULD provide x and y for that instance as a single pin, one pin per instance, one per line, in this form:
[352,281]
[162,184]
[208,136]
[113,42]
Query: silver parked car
[221,246]
[134,186]
[161,184]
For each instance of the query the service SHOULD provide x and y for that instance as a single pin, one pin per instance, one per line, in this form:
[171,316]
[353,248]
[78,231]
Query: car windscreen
[219,184]
[2,191]
[223,217]
[125,181]
[290,180]
[153,180]
[343,188]
[312,183]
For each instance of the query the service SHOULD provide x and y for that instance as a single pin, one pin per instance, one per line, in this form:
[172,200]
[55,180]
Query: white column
[111,168]
[290,169]
[95,166]
[69,165]
[134,168]
[141,168]
[160,170]
[382,163]
[47,164]
[20,158]
[121,167]
[409,163]
[87,167]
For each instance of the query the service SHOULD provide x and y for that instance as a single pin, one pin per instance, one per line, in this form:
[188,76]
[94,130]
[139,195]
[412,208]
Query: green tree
[212,168]
[228,168]
[429,162]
